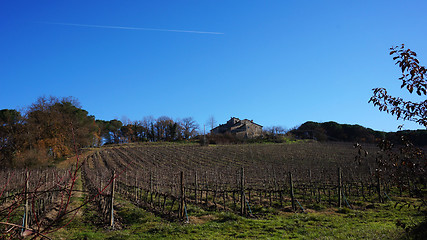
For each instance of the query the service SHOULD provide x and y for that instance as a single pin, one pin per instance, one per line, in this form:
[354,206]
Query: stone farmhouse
[241,128]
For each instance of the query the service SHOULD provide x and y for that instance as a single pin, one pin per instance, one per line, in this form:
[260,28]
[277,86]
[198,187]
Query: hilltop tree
[313,130]
[114,130]
[55,125]
[413,79]
[164,128]
[172,131]
[275,130]
[189,127]
[50,128]
[110,131]
[11,135]
[139,132]
[127,133]
[211,122]
[148,127]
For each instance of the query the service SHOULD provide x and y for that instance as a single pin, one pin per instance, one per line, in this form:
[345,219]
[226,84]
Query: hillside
[332,131]
[259,159]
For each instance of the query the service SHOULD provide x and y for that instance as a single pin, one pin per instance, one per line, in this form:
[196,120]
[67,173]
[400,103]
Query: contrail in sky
[131,28]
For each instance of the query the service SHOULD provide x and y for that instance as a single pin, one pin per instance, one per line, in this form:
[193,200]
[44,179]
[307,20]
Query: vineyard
[169,180]
[32,200]
[239,178]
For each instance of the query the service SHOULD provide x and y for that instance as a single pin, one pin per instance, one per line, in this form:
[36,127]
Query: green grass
[382,222]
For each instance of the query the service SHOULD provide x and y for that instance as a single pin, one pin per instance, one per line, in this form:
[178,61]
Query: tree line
[332,131]
[149,129]
[53,128]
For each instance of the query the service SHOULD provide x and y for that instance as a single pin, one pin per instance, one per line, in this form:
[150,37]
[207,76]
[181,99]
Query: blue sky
[276,62]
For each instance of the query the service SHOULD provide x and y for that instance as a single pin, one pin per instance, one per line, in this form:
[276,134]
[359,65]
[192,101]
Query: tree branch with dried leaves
[413,79]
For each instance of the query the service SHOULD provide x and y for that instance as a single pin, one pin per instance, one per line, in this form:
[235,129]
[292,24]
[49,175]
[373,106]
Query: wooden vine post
[113,183]
[151,189]
[136,189]
[310,183]
[339,188]
[26,200]
[291,186]
[195,187]
[181,197]
[380,198]
[242,191]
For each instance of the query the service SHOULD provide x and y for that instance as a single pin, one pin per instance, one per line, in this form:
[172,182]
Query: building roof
[229,125]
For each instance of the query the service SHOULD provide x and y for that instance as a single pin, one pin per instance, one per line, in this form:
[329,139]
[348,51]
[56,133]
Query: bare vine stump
[242,191]
[339,188]
[291,185]
[113,183]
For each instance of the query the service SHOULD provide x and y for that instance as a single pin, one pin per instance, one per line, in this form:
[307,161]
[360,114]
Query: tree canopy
[50,128]
[11,130]
[332,131]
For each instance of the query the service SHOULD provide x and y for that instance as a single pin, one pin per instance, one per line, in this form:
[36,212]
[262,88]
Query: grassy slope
[136,223]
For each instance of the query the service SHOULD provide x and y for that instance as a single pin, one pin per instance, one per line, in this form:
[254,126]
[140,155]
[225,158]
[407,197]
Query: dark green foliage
[112,131]
[10,135]
[332,131]
[417,137]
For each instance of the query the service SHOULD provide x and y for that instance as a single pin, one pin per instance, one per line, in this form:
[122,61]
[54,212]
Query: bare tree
[275,130]
[189,127]
[211,122]
[148,126]
[165,128]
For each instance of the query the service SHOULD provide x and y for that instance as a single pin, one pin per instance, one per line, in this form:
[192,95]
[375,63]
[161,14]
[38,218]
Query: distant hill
[332,131]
